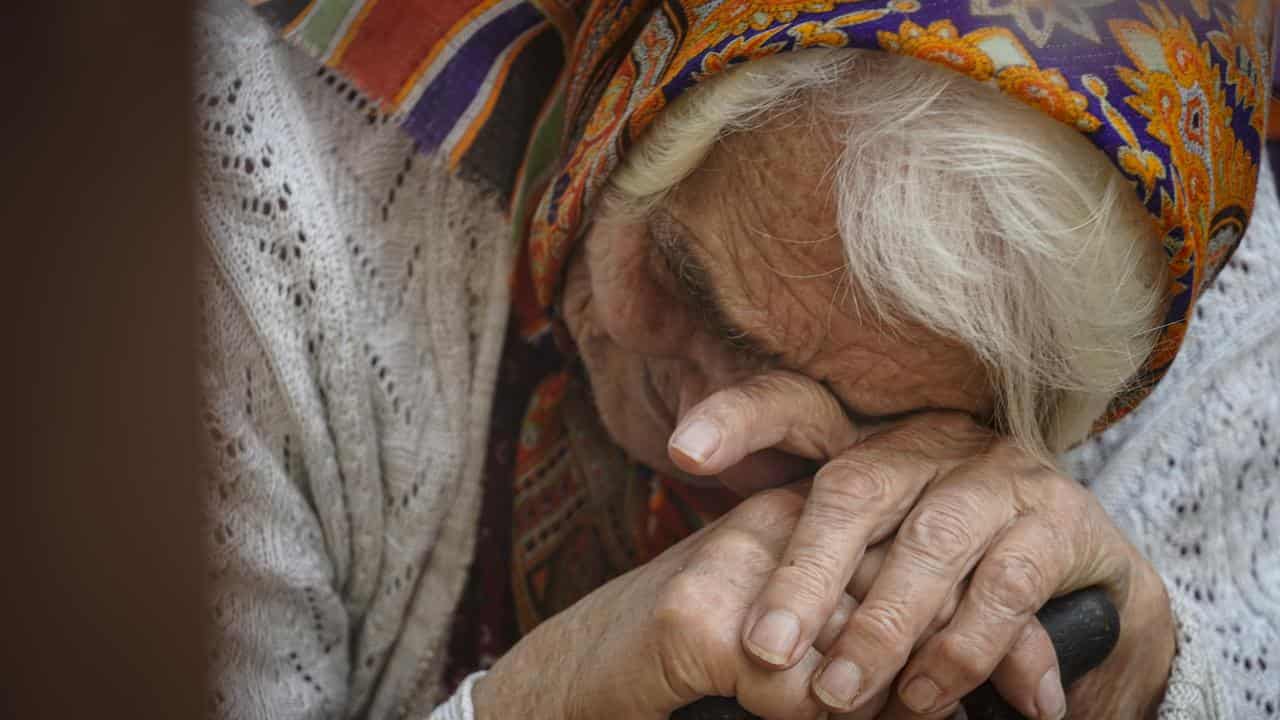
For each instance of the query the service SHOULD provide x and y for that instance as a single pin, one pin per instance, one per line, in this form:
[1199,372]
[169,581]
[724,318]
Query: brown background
[100,570]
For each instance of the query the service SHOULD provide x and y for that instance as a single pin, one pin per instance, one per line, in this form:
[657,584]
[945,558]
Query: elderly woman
[489,342]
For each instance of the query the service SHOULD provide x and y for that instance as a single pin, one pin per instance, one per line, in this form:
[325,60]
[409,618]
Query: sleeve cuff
[1195,691]
[459,706]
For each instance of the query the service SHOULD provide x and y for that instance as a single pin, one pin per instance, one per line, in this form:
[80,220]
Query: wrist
[1145,651]
[1132,681]
[529,681]
[1155,639]
[484,702]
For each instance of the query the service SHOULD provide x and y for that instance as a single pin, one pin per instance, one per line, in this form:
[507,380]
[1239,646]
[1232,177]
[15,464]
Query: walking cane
[1083,626]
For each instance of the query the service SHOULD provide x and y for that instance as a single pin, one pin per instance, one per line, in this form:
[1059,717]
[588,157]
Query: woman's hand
[666,634]
[982,537]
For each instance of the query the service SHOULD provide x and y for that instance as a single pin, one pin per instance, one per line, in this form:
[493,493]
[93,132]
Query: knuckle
[765,388]
[808,581]
[832,512]
[939,535]
[886,627]
[855,483]
[968,659]
[769,507]
[728,407]
[737,549]
[947,611]
[1028,636]
[1011,584]
[835,623]
[952,603]
[955,424]
[686,611]
[736,397]
[935,626]
[1067,497]
[1007,453]
[916,435]
[780,500]
[672,609]
[784,383]
[939,430]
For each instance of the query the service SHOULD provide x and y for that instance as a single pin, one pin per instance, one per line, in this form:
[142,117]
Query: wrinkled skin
[919,551]
[777,268]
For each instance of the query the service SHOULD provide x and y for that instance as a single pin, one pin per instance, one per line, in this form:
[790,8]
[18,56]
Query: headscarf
[1174,92]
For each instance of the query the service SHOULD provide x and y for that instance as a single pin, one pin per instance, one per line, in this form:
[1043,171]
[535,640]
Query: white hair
[961,209]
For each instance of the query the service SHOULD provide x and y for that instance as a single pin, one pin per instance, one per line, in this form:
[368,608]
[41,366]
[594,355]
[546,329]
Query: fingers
[859,498]
[700,655]
[700,608]
[773,694]
[995,626]
[1032,656]
[816,568]
[769,693]
[895,710]
[835,624]
[873,710]
[937,545]
[864,576]
[1029,679]
[855,500]
[778,409]
[917,585]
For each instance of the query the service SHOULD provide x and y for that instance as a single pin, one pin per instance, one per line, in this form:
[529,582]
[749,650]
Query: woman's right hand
[665,634]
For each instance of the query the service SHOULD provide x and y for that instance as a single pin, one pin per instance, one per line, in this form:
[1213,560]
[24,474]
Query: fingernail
[838,684]
[698,440]
[774,637]
[1050,700]
[921,695]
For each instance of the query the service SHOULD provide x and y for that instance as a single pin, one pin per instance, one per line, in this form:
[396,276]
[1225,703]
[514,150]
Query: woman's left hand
[982,536]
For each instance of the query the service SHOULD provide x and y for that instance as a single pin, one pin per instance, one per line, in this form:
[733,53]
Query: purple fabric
[453,90]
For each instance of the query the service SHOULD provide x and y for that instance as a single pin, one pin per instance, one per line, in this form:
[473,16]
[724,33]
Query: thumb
[777,409]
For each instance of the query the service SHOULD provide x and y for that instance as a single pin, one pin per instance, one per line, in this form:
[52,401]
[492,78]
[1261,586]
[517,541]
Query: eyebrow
[671,240]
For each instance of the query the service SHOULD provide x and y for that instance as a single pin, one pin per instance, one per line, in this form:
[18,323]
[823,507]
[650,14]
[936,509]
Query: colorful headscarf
[1174,92]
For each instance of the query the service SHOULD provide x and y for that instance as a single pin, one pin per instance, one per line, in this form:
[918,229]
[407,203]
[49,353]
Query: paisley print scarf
[540,99]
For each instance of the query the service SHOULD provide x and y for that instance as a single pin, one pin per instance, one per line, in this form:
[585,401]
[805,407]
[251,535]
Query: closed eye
[686,275]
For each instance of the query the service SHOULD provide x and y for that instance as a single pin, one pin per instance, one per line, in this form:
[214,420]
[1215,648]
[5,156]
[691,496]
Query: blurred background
[99,526]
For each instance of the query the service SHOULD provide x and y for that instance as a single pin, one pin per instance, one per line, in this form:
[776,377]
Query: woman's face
[741,270]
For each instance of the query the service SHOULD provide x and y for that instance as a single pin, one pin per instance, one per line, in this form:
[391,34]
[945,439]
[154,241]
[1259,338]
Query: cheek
[613,310]
[632,407]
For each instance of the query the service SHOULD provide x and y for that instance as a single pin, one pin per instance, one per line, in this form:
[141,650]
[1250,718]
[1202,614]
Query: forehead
[780,172]
[761,215]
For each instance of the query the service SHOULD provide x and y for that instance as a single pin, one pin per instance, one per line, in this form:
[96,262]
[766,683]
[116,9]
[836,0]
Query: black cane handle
[1083,626]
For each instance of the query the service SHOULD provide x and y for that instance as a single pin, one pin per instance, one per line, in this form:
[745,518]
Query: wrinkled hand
[981,537]
[667,633]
